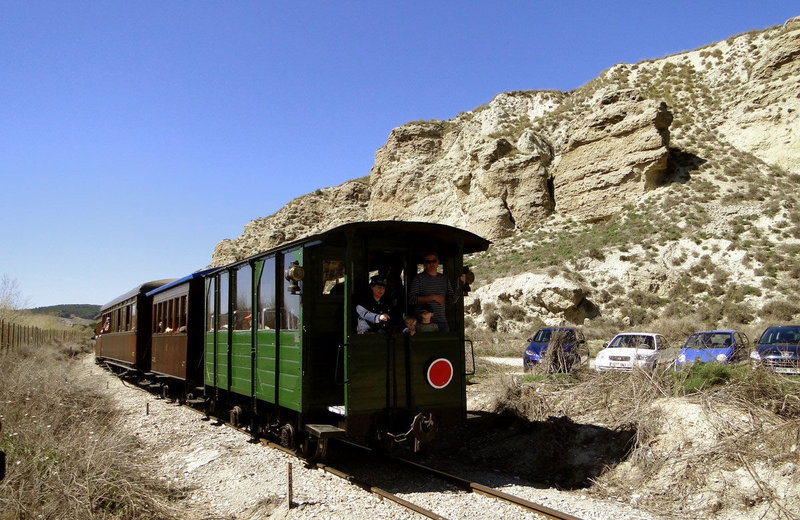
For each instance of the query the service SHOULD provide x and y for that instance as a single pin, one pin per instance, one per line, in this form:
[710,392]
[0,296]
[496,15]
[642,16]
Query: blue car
[714,346]
[571,339]
[778,349]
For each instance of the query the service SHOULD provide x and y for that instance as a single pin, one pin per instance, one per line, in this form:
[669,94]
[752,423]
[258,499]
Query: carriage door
[376,384]
[290,331]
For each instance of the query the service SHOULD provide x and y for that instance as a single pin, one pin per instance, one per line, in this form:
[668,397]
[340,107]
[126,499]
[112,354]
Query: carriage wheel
[288,436]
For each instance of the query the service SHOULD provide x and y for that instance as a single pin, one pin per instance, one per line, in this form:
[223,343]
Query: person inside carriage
[373,312]
[432,288]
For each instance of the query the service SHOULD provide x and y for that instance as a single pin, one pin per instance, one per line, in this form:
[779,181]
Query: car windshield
[709,340]
[542,336]
[548,335]
[782,335]
[632,341]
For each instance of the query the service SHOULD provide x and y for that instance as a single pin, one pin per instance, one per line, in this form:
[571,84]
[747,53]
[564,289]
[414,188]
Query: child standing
[425,315]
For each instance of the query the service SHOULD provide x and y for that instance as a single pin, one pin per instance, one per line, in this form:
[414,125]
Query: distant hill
[85,311]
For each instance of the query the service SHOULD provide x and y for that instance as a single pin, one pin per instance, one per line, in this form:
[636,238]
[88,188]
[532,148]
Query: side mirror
[605,345]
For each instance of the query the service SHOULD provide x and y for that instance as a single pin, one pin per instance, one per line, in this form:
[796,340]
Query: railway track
[475,487]
[463,485]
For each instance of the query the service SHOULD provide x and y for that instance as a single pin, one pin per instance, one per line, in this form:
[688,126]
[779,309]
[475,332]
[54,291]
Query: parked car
[572,344]
[709,346]
[778,349]
[630,350]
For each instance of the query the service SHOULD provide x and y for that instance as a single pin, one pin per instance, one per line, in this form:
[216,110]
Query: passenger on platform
[373,312]
[425,316]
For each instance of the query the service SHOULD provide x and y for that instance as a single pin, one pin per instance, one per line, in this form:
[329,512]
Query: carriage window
[116,320]
[169,322]
[134,323]
[290,310]
[182,314]
[124,318]
[243,309]
[128,325]
[158,324]
[332,277]
[106,326]
[266,296]
[210,306]
[223,301]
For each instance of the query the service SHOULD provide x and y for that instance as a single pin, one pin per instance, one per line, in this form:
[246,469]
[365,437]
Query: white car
[631,349]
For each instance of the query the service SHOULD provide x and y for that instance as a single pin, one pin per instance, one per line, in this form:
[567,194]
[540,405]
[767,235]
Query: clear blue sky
[134,136]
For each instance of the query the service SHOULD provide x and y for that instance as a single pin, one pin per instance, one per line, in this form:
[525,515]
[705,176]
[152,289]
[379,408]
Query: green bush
[703,376]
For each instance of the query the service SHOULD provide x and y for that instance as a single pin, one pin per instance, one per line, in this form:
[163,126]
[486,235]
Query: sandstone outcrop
[614,154]
[476,172]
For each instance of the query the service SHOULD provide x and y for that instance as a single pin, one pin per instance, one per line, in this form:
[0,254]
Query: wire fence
[14,335]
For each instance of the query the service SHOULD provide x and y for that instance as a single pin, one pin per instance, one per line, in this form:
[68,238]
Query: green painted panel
[241,362]
[290,371]
[367,373]
[222,360]
[208,377]
[425,349]
[265,365]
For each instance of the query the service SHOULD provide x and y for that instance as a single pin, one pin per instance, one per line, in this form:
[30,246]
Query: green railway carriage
[281,351]
[122,336]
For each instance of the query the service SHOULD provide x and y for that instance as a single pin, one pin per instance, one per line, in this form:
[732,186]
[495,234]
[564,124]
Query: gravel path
[222,475]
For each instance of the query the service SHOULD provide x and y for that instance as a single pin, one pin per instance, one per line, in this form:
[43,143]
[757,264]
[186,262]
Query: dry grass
[734,442]
[66,458]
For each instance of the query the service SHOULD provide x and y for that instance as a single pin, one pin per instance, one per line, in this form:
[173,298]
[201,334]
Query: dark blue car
[710,346]
[570,338]
[778,349]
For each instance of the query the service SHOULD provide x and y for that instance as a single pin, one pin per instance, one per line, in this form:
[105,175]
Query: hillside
[660,189]
[85,311]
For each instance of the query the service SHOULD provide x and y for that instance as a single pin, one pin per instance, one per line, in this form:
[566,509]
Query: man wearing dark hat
[373,312]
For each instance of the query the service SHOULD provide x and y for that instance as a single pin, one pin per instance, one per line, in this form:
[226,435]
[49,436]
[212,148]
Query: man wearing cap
[373,312]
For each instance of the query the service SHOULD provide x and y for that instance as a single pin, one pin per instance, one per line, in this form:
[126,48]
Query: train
[271,343]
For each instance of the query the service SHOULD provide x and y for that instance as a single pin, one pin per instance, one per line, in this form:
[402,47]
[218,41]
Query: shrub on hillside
[779,310]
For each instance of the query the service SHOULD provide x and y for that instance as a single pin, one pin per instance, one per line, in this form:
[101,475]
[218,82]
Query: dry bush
[612,398]
[753,420]
[66,458]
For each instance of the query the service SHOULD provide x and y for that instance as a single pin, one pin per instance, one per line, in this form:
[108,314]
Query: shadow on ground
[553,453]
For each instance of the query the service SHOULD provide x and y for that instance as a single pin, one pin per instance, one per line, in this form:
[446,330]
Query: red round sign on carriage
[440,373]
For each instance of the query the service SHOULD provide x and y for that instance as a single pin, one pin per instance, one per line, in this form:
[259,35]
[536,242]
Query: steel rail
[490,492]
[381,492]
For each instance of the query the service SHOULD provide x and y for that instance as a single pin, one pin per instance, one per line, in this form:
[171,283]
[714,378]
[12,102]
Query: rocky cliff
[705,137]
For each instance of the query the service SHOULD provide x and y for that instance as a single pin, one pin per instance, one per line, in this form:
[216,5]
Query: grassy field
[65,457]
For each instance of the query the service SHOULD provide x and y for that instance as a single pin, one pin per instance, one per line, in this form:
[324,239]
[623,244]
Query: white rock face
[764,119]
[551,298]
[614,155]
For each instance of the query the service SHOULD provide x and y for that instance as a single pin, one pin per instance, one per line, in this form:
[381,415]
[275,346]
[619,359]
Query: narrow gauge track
[458,482]
[472,487]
